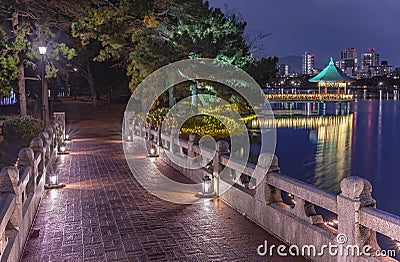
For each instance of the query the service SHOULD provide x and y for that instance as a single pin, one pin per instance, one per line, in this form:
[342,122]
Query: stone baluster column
[60,118]
[54,141]
[37,146]
[50,131]
[55,138]
[58,133]
[44,135]
[140,123]
[191,142]
[222,148]
[26,159]
[174,141]
[356,193]
[159,133]
[149,129]
[129,124]
[266,193]
[133,123]
[149,141]
[9,178]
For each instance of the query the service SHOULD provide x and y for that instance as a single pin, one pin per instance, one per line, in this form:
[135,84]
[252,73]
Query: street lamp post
[45,100]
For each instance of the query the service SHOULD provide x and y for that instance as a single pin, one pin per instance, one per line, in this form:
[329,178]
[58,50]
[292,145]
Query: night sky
[322,27]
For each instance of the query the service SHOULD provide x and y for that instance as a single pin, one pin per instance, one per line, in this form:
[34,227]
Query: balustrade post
[159,141]
[44,135]
[60,118]
[54,142]
[37,147]
[149,128]
[192,139]
[129,125]
[142,129]
[133,131]
[174,142]
[58,132]
[9,178]
[222,148]
[356,193]
[26,159]
[265,192]
[50,131]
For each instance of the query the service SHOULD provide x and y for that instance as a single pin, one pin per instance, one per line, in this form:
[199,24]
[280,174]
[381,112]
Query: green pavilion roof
[331,74]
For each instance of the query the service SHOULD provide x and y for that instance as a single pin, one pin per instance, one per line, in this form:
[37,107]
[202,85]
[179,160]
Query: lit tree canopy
[145,35]
[22,32]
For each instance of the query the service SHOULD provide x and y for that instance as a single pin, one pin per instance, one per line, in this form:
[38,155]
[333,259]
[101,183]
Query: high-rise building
[308,63]
[382,70]
[348,61]
[283,70]
[369,59]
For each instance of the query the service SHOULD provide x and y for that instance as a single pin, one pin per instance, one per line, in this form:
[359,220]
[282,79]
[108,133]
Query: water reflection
[333,154]
[322,150]
[330,138]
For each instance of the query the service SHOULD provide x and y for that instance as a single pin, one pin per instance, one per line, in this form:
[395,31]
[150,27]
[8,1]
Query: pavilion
[331,76]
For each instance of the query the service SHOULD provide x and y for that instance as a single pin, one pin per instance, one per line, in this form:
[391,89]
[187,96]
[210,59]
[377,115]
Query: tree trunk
[21,69]
[171,99]
[92,88]
[21,90]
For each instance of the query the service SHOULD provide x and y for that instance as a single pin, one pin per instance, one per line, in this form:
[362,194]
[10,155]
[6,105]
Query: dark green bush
[21,130]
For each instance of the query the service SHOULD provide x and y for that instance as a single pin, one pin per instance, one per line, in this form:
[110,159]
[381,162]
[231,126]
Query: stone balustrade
[290,209]
[21,188]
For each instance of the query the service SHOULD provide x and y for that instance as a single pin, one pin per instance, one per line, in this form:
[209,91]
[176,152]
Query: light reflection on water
[333,154]
[322,150]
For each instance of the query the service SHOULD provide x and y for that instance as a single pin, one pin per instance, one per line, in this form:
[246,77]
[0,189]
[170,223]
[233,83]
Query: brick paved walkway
[105,215]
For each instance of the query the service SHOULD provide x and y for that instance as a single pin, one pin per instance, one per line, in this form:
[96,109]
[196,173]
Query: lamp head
[152,151]
[42,50]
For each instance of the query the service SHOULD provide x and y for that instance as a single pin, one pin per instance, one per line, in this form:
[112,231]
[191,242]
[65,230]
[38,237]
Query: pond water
[360,138]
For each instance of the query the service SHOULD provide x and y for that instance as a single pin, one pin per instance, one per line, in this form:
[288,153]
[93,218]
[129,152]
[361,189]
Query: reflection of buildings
[333,138]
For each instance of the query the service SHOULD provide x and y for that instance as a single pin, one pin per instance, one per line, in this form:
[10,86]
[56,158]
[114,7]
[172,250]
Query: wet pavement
[104,214]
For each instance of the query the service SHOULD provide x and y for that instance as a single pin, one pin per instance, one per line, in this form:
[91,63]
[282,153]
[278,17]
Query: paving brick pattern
[105,215]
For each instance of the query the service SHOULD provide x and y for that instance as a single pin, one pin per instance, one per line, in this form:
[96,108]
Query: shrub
[21,130]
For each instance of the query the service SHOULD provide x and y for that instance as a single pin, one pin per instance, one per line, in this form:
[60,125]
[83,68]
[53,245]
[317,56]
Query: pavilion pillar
[326,88]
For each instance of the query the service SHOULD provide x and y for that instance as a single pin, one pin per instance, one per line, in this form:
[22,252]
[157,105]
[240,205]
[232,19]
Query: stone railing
[292,210]
[21,188]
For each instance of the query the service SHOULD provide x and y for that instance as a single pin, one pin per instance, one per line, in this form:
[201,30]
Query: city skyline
[321,27]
